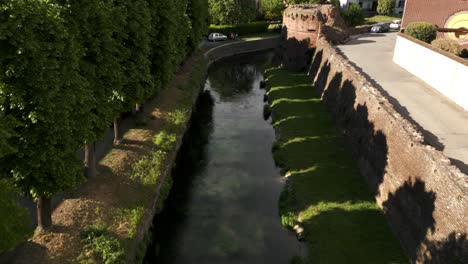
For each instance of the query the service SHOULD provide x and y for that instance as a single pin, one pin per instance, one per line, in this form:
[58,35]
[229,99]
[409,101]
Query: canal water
[223,207]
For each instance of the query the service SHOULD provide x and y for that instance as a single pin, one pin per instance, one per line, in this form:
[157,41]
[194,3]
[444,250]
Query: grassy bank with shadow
[325,193]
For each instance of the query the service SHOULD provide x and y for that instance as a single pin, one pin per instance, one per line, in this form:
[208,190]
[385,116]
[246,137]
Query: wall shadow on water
[411,207]
[190,159]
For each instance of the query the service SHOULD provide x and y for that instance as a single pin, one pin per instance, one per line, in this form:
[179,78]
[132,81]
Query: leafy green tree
[43,92]
[95,24]
[138,83]
[385,7]
[354,15]
[273,9]
[170,33]
[232,11]
[197,11]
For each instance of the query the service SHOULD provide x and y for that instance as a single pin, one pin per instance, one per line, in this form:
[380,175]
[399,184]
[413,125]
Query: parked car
[380,27]
[217,37]
[396,24]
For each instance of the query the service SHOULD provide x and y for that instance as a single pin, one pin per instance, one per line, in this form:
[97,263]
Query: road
[443,123]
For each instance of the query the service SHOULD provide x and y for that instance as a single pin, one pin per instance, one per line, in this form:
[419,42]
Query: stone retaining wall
[240,47]
[423,196]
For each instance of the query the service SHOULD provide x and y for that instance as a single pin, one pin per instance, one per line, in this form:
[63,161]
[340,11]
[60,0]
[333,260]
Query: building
[442,13]
[371,5]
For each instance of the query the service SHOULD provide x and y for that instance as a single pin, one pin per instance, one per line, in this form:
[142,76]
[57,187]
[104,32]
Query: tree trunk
[90,161]
[140,117]
[138,108]
[44,213]
[117,138]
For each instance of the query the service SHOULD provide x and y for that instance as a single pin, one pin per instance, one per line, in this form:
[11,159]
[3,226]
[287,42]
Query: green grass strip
[325,193]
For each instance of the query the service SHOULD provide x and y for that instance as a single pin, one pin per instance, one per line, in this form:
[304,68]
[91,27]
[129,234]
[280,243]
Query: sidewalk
[443,123]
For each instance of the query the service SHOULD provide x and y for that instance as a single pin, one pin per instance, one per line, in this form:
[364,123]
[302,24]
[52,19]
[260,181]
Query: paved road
[444,124]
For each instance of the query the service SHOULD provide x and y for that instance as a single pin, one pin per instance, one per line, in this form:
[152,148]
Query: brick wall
[424,197]
[434,11]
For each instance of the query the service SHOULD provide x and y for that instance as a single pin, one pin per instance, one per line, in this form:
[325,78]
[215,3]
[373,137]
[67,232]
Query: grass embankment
[102,221]
[325,193]
[379,18]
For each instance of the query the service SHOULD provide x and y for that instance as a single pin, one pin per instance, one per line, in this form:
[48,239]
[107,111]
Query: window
[401,3]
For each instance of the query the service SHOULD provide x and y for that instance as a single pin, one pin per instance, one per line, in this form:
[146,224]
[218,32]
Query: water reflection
[223,206]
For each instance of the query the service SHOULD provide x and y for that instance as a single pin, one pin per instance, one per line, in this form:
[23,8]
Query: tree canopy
[69,67]
[232,11]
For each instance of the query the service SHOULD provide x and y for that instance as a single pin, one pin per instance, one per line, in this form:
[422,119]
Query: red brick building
[443,13]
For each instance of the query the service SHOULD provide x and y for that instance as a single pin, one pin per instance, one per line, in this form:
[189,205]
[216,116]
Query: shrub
[354,16]
[448,45]
[241,29]
[464,53]
[275,28]
[165,140]
[385,7]
[98,242]
[335,3]
[423,31]
[147,170]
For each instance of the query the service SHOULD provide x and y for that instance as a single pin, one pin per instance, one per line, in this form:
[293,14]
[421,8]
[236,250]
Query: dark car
[380,27]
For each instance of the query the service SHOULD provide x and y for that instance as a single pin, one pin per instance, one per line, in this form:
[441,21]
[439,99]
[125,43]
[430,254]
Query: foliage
[169,39]
[332,202]
[449,45]
[197,11]
[135,34]
[354,15]
[464,53]
[274,28]
[232,11]
[133,216]
[43,92]
[15,220]
[97,25]
[335,3]
[385,7]
[165,140]
[241,29]
[423,31]
[273,9]
[148,170]
[377,19]
[99,242]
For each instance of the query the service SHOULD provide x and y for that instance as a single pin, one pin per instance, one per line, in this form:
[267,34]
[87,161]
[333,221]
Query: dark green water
[223,207]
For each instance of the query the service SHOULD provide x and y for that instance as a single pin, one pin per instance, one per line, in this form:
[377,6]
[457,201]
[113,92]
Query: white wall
[444,74]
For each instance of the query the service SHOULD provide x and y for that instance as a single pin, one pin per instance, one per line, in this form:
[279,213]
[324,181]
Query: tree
[96,25]
[197,11]
[232,11]
[43,92]
[385,7]
[273,9]
[354,15]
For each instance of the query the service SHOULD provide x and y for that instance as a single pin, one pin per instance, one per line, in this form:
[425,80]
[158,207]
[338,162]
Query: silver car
[396,24]
[217,37]
[380,27]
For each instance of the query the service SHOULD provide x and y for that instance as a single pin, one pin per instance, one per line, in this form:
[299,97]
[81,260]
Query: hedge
[423,31]
[241,29]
